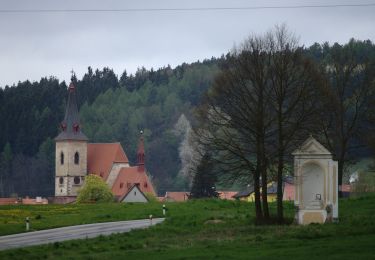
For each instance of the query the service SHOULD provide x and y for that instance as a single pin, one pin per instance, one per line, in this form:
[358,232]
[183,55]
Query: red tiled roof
[129,176]
[101,156]
[346,188]
[227,195]
[176,196]
[8,201]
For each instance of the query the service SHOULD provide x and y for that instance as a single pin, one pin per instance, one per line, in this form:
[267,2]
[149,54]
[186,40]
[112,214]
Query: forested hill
[113,109]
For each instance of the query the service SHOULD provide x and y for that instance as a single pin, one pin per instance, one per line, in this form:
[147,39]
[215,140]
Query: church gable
[311,146]
[130,176]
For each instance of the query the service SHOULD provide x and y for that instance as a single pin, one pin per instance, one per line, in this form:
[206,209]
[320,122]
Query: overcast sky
[34,45]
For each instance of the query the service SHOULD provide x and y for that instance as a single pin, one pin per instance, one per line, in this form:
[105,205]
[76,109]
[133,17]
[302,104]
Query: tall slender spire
[141,153]
[70,126]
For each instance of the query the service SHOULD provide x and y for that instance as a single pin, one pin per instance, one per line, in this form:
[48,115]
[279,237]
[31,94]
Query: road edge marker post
[27,223]
[151,220]
[164,209]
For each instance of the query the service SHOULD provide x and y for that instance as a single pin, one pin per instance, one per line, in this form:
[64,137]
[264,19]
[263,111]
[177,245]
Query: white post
[164,208]
[150,220]
[27,223]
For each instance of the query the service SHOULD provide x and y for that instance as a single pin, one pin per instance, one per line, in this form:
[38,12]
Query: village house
[175,196]
[249,195]
[76,158]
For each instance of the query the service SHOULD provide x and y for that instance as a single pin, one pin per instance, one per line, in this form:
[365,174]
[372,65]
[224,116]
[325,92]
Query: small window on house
[61,158]
[121,185]
[135,193]
[77,180]
[61,180]
[76,158]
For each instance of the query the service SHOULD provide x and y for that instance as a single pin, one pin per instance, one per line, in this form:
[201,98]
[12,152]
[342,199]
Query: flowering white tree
[190,151]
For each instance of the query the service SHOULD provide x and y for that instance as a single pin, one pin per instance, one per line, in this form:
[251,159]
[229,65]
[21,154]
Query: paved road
[73,232]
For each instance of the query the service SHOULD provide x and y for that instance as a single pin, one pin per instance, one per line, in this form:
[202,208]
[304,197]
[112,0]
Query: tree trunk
[340,172]
[280,214]
[258,206]
[280,167]
[264,193]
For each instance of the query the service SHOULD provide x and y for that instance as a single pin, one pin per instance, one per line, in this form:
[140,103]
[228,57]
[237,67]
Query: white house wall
[135,195]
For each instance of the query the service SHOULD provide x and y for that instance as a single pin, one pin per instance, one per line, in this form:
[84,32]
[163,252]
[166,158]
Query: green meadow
[198,229]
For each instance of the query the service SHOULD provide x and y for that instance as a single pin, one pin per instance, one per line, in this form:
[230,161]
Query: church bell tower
[71,150]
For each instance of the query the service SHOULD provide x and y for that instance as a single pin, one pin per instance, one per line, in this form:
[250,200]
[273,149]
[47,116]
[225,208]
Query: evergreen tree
[5,167]
[204,180]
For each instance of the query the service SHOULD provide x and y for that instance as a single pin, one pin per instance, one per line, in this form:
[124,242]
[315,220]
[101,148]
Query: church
[76,158]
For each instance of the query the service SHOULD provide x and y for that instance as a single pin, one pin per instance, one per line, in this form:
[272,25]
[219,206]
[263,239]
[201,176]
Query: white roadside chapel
[316,195]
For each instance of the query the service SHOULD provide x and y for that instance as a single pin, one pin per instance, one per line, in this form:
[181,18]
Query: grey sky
[33,45]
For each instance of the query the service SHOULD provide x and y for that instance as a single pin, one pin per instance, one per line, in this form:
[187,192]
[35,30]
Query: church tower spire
[71,151]
[70,126]
[141,153]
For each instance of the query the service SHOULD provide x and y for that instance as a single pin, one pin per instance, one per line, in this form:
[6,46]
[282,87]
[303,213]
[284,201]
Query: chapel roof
[101,156]
[311,147]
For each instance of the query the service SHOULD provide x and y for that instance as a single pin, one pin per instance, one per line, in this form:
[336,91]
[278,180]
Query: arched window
[61,180]
[61,158]
[77,180]
[76,158]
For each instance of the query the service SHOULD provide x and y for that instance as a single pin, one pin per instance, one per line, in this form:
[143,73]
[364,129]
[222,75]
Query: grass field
[207,229]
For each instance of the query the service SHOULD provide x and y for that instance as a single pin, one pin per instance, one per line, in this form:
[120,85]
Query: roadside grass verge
[12,217]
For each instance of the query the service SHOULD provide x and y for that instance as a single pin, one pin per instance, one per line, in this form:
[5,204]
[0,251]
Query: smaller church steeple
[141,152]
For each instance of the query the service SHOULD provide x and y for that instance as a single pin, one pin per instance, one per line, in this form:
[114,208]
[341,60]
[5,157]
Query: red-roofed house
[75,158]
[288,193]
[227,195]
[176,196]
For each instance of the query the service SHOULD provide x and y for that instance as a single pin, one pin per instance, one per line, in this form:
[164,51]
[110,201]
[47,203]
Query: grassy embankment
[206,230]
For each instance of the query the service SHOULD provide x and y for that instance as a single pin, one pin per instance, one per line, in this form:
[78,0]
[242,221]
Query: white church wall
[115,170]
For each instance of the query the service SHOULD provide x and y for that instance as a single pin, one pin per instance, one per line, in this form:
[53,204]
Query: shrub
[151,197]
[94,190]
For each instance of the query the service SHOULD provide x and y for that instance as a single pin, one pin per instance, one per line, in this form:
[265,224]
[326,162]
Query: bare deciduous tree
[259,107]
[294,81]
[348,98]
